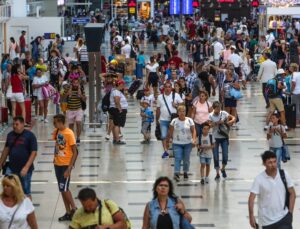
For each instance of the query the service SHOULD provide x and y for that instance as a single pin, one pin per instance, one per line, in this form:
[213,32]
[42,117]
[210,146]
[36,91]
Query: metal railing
[32,7]
[5,12]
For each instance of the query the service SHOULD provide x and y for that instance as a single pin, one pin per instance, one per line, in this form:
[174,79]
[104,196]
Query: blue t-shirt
[149,113]
[4,66]
[20,150]
[31,72]
[141,60]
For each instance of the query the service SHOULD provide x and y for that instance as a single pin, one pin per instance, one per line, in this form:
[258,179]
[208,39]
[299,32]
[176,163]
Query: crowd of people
[174,93]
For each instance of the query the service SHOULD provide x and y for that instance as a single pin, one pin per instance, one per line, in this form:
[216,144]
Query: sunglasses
[10,177]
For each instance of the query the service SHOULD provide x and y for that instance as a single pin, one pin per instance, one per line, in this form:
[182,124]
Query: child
[64,102]
[148,96]
[275,136]
[205,147]
[147,119]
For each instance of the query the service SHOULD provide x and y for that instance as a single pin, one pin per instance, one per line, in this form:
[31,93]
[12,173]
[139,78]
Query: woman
[165,209]
[118,110]
[152,74]
[39,81]
[230,103]
[200,112]
[16,210]
[182,131]
[16,80]
[281,53]
[14,49]
[177,89]
[3,70]
[294,68]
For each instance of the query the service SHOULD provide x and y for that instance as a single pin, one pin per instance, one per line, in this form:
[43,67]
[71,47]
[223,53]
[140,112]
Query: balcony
[5,12]
[32,7]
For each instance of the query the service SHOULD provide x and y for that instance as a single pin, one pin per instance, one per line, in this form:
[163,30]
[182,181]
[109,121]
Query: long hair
[14,182]
[171,187]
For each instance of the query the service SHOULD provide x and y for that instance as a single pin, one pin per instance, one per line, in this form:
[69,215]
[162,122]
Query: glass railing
[5,12]
[33,5]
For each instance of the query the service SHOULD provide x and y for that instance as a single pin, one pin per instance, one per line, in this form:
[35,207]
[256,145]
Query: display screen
[187,7]
[174,7]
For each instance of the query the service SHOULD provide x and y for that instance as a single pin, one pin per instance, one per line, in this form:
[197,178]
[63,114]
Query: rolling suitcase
[290,114]
[134,86]
[27,103]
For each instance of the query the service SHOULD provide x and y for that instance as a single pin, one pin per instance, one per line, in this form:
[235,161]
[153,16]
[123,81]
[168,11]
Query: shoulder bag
[184,223]
[13,216]
[173,115]
[224,128]
[285,151]
[287,194]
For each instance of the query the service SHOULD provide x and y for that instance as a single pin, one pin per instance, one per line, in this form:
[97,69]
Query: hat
[145,101]
[280,71]
[114,61]
[120,82]
[64,83]
[232,47]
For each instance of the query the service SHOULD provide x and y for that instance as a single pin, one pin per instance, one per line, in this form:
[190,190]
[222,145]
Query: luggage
[140,94]
[290,115]
[27,103]
[4,114]
[134,86]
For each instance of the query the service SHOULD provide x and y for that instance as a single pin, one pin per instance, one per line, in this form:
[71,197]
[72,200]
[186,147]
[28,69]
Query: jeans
[284,223]
[278,152]
[182,152]
[25,181]
[164,128]
[224,144]
[199,128]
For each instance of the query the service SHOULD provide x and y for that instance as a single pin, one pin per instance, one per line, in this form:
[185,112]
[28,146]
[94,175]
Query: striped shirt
[74,101]
[83,54]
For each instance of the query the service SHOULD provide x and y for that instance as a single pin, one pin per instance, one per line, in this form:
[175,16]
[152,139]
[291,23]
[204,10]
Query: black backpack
[106,102]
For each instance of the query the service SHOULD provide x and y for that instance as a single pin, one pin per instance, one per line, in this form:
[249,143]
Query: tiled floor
[126,173]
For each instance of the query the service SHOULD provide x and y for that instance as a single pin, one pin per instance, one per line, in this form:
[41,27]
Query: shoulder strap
[13,216]
[283,178]
[210,139]
[166,104]
[207,105]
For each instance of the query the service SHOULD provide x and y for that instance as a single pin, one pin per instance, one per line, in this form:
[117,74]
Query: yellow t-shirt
[64,140]
[82,219]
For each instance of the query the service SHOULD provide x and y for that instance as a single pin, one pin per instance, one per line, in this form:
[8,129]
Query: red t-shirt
[177,61]
[16,84]
[22,42]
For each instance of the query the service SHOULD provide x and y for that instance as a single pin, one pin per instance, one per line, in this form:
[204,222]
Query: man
[176,59]
[167,104]
[88,215]
[275,211]
[270,37]
[294,53]
[75,96]
[165,31]
[23,45]
[21,149]
[217,48]
[65,154]
[235,59]
[83,57]
[207,81]
[126,49]
[267,70]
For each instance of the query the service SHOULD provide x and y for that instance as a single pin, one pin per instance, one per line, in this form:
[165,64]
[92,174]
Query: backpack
[106,102]
[128,223]
[271,89]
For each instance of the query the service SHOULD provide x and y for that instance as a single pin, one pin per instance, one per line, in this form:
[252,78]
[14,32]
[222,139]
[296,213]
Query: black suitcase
[290,115]
[134,86]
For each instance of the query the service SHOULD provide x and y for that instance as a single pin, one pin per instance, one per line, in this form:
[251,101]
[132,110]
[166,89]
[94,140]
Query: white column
[18,8]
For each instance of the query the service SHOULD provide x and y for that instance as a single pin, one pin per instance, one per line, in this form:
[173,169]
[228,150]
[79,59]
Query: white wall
[34,27]
[283,11]
[18,8]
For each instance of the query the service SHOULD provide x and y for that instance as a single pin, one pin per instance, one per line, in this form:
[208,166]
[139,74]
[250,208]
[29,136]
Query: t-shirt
[236,60]
[54,65]
[20,218]
[182,130]
[165,29]
[201,111]
[276,140]
[83,54]
[207,140]
[271,197]
[39,81]
[149,98]
[64,140]
[150,117]
[20,149]
[73,100]
[296,80]
[125,50]
[164,113]
[223,115]
[152,68]
[16,83]
[218,48]
[226,87]
[123,100]
[82,219]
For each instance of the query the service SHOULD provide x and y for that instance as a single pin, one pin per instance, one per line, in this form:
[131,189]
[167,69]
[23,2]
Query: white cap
[280,71]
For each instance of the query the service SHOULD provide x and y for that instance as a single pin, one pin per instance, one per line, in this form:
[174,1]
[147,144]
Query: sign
[187,7]
[131,8]
[175,7]
[80,20]
[255,3]
[49,36]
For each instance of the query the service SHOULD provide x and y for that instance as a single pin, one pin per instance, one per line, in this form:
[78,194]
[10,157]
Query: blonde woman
[16,210]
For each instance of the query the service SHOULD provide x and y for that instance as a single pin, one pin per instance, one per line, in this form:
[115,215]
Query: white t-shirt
[149,98]
[164,114]
[182,130]
[165,29]
[296,80]
[216,118]
[271,197]
[125,50]
[152,68]
[20,219]
[39,81]
[207,141]
[123,101]
[218,48]
[276,140]
[236,60]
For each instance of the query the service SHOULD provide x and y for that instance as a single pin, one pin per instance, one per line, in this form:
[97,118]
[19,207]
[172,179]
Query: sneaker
[185,176]
[176,177]
[217,178]
[206,180]
[286,128]
[119,142]
[224,175]
[65,217]
[165,155]
[78,142]
[266,127]
[41,119]
[120,135]
[46,120]
[107,137]
[202,181]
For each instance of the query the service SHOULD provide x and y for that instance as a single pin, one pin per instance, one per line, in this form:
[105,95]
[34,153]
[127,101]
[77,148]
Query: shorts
[25,181]
[17,97]
[40,96]
[153,79]
[230,102]
[276,103]
[74,116]
[146,127]
[205,160]
[63,183]
[164,128]
[119,118]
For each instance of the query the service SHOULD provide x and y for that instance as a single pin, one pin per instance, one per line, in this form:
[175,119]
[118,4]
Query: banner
[187,6]
[174,7]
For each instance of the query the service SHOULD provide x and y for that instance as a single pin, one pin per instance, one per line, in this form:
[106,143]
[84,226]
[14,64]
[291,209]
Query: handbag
[173,115]
[184,223]
[224,129]
[235,93]
[285,152]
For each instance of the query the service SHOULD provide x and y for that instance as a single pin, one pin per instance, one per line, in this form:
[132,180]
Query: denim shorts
[205,160]
[25,181]
[164,128]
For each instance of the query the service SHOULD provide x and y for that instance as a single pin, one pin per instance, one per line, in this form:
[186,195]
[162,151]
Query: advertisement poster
[145,10]
[187,7]
[132,8]
[174,7]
